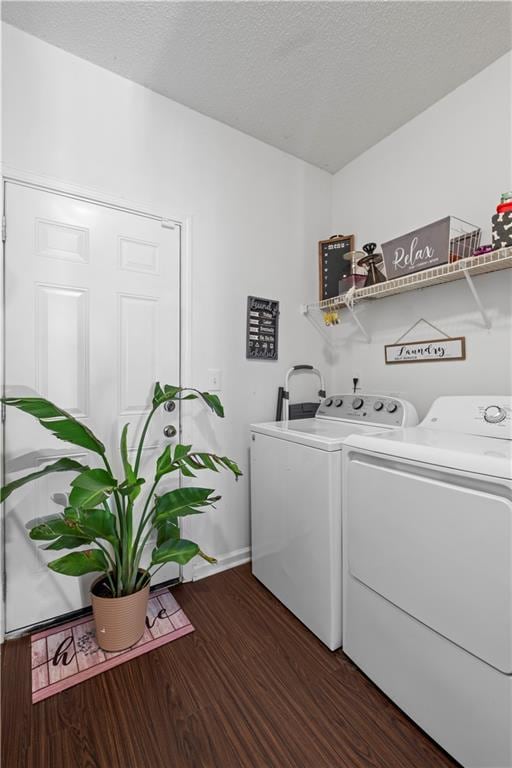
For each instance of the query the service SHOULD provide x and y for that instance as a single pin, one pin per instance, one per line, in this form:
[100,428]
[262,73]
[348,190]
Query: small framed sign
[331,264]
[421,249]
[262,328]
[429,351]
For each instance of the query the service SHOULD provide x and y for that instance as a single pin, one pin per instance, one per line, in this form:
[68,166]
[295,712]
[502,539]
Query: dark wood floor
[250,687]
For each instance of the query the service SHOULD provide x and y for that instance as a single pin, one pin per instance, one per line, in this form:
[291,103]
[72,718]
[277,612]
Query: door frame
[11,175]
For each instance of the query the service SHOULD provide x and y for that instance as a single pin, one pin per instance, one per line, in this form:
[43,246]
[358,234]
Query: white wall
[67,119]
[251,207]
[453,159]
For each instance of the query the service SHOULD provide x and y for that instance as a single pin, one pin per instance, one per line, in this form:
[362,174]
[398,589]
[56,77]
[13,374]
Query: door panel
[439,551]
[92,321]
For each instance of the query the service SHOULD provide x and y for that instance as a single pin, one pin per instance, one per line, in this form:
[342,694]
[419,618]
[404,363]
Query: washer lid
[323,434]
[450,450]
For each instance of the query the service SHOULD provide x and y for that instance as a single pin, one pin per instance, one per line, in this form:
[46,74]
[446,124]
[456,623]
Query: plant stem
[138,585]
[144,517]
[111,585]
[120,514]
[107,465]
[142,439]
[112,565]
[138,553]
[129,543]
[106,553]
[119,580]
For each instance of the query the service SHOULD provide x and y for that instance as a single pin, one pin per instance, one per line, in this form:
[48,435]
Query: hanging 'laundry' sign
[262,328]
[429,351]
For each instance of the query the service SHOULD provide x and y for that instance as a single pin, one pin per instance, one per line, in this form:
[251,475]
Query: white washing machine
[428,572]
[296,503]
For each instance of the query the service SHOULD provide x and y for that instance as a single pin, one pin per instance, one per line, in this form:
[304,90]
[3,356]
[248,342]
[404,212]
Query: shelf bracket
[358,322]
[485,316]
[320,327]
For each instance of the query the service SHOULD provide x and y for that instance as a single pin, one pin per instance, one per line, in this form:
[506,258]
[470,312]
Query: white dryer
[428,572]
[296,503]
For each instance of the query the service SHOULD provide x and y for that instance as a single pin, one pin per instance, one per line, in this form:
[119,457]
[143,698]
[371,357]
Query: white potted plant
[101,514]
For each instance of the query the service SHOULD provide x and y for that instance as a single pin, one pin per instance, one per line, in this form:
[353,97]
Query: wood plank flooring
[251,688]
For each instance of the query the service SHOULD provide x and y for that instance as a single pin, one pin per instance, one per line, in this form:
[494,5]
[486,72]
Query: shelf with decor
[466,269]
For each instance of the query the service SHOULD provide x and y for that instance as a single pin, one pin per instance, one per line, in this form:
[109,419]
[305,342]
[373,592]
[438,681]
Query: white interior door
[92,321]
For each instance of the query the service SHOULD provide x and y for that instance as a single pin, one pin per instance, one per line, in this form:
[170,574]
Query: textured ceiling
[321,80]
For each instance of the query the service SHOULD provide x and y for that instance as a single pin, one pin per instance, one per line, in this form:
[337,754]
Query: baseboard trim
[224,562]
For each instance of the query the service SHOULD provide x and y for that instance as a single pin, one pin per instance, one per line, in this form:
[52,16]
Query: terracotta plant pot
[119,620]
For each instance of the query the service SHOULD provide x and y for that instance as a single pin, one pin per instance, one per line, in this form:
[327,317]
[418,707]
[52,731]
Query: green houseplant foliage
[101,512]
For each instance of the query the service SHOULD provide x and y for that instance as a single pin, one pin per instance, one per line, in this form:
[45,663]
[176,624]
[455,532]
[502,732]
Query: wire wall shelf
[463,269]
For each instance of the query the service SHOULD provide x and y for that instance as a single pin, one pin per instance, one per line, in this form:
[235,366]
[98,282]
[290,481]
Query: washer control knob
[357,403]
[338,402]
[378,405]
[328,402]
[493,414]
[391,407]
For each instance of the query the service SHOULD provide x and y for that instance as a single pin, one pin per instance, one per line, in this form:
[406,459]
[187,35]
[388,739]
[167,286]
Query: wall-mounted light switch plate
[214,380]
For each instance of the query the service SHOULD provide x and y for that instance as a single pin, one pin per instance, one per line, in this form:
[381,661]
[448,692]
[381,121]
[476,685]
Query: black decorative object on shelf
[371,262]
[262,328]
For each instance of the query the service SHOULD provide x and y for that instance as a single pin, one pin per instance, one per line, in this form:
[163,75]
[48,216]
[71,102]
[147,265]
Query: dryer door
[436,548]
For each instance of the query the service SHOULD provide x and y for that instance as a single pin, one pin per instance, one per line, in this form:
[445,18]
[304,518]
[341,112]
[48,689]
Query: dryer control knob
[328,402]
[391,407]
[378,406]
[338,402]
[493,414]
[357,403]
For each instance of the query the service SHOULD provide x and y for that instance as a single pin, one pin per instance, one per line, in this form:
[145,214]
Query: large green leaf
[59,525]
[174,551]
[91,487]
[214,403]
[166,462]
[132,486]
[67,542]
[79,563]
[98,523]
[62,465]
[128,471]
[59,422]
[183,501]
[166,529]
[187,462]
[197,461]
[76,527]
[208,461]
[162,395]
[227,463]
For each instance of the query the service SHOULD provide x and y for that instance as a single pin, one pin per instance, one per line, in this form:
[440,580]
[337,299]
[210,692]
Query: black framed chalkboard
[331,264]
[262,328]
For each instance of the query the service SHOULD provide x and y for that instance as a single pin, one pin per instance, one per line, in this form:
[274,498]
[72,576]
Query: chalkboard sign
[331,264]
[262,328]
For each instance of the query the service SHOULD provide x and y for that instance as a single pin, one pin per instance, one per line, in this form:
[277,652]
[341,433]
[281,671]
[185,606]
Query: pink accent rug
[66,655]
